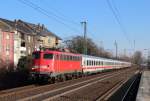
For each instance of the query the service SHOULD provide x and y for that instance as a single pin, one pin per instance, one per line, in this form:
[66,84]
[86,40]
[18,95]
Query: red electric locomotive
[54,63]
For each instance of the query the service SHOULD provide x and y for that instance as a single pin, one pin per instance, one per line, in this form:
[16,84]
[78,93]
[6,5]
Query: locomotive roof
[59,52]
[87,56]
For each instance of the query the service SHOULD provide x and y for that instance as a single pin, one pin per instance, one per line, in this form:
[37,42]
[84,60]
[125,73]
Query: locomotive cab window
[36,55]
[48,56]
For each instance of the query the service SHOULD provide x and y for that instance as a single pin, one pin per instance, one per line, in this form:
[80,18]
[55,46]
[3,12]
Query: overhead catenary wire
[67,19]
[57,14]
[48,14]
[54,16]
[124,32]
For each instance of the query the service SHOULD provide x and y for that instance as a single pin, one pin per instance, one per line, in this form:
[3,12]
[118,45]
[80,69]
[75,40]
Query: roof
[40,29]
[27,28]
[6,25]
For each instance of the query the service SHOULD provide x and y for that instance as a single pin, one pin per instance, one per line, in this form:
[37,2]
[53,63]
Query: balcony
[23,49]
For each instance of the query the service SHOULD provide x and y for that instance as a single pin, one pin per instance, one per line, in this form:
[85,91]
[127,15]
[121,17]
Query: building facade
[7,47]
[19,38]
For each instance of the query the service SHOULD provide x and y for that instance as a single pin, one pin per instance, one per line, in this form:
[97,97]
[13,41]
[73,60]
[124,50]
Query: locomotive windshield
[48,56]
[36,55]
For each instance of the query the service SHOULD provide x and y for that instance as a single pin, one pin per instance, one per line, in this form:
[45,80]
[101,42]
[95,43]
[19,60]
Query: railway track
[54,91]
[94,91]
[128,91]
[33,86]
[17,89]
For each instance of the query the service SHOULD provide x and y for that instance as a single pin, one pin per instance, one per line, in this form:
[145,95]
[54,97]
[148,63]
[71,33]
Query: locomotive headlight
[35,66]
[43,66]
[39,66]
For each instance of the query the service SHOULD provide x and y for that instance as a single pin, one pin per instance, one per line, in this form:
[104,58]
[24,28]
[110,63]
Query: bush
[10,78]
[24,63]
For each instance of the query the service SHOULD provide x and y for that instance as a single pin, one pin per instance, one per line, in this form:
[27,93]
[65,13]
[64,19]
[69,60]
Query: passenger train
[56,64]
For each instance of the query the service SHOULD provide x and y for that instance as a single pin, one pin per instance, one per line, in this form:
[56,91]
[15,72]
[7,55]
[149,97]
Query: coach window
[102,63]
[88,62]
[84,62]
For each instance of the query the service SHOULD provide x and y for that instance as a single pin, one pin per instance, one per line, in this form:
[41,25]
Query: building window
[29,50]
[7,59]
[22,36]
[49,40]
[23,44]
[7,52]
[7,48]
[7,36]
[29,38]
[0,41]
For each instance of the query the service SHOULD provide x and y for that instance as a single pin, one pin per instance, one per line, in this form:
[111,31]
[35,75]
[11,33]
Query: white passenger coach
[95,64]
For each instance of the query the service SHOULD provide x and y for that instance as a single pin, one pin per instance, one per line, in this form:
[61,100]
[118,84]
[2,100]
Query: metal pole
[134,46]
[148,58]
[125,52]
[116,45]
[85,36]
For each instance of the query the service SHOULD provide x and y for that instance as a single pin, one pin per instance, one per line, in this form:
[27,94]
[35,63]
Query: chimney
[43,26]
[15,21]
[38,26]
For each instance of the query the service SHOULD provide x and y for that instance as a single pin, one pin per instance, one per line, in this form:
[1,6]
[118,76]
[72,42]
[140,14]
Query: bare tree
[137,58]
[76,45]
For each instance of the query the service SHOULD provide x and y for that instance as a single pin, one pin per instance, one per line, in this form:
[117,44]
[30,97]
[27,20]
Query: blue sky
[102,25]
